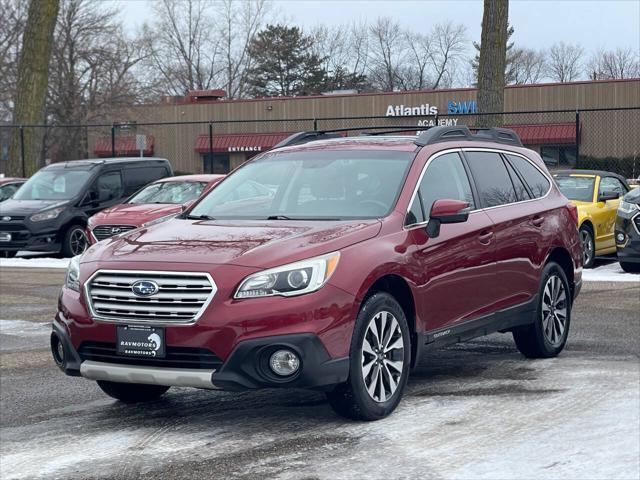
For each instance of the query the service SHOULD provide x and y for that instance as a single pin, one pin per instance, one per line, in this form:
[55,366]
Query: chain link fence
[603,139]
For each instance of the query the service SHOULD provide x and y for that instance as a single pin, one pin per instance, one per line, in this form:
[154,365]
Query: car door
[456,268]
[107,190]
[605,215]
[519,225]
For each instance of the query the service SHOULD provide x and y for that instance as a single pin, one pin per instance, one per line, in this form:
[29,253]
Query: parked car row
[66,207]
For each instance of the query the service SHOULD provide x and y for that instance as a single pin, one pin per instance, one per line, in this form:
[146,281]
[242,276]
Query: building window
[220,163]
[564,156]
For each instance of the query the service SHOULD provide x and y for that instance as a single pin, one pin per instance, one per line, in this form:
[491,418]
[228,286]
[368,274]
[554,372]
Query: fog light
[284,363]
[620,237]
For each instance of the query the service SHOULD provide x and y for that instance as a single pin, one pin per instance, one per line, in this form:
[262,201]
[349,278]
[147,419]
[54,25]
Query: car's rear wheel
[630,267]
[132,392]
[75,241]
[547,335]
[379,361]
[588,246]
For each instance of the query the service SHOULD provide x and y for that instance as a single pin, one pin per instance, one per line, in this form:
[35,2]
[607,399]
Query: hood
[134,213]
[24,208]
[261,244]
[633,196]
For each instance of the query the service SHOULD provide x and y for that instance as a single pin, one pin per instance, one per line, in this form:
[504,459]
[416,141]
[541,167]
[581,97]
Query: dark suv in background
[627,232]
[49,212]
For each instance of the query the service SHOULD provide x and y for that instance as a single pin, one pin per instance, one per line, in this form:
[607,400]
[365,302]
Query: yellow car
[597,195]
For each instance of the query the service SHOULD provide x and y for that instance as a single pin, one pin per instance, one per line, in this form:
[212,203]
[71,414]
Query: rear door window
[492,178]
[138,177]
[535,179]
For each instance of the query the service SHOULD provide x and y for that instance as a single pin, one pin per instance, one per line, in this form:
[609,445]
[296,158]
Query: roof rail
[304,137]
[462,132]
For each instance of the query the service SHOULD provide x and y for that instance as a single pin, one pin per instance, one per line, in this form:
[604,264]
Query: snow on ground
[610,272]
[35,262]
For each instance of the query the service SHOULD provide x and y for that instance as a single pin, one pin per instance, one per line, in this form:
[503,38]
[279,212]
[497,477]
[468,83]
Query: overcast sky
[538,23]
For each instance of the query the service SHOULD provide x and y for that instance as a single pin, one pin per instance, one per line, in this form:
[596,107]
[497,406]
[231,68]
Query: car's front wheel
[547,335]
[588,247]
[379,362]
[132,392]
[75,241]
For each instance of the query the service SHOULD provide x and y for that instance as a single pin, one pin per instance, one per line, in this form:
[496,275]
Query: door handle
[485,237]
[537,220]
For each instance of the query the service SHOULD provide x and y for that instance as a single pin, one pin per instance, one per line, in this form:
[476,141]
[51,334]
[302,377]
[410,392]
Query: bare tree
[13,16]
[185,48]
[449,44]
[239,22]
[387,53]
[565,62]
[31,89]
[526,66]
[92,72]
[614,64]
[491,65]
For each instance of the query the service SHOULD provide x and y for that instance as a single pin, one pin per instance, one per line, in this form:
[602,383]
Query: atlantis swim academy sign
[466,107]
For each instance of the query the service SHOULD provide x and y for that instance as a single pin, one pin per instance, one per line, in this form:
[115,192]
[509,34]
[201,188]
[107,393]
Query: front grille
[107,231]
[180,298]
[177,357]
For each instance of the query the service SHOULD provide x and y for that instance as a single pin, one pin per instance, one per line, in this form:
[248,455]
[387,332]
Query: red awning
[125,146]
[546,134]
[240,142]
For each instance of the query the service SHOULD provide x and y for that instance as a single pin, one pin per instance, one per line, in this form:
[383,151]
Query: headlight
[48,215]
[627,207]
[292,279]
[73,274]
[159,220]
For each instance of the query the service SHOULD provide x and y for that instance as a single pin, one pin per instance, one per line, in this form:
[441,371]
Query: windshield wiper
[302,219]
[199,217]
[278,217]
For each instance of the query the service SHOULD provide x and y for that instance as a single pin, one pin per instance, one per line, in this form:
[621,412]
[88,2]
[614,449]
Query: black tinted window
[538,183]
[110,186]
[492,179]
[445,177]
[140,176]
[521,190]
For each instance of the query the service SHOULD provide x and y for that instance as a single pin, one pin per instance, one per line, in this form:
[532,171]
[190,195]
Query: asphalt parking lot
[478,410]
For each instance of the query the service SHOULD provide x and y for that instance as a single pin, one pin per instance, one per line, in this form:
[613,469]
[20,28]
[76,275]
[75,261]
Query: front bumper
[23,239]
[246,367]
[628,250]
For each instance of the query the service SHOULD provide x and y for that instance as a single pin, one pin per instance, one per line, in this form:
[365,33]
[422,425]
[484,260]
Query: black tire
[132,392]
[533,340]
[7,254]
[352,399]
[68,242]
[588,244]
[630,267]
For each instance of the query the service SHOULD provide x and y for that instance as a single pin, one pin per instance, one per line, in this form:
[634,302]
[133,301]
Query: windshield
[579,189]
[169,192]
[56,184]
[311,185]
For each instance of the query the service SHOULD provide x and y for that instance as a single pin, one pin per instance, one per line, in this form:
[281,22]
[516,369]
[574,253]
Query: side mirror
[446,211]
[605,196]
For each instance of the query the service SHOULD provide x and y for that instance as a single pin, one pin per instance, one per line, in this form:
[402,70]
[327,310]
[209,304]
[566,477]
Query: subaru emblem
[6,219]
[145,288]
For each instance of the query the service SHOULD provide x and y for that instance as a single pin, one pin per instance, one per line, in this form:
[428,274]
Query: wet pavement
[476,410]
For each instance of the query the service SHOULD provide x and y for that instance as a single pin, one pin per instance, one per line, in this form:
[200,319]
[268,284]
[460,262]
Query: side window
[611,184]
[538,183]
[138,177]
[109,186]
[521,191]
[492,179]
[445,177]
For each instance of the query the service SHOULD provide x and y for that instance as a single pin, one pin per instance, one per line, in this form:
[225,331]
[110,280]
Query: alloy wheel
[587,247]
[77,242]
[554,310]
[382,356]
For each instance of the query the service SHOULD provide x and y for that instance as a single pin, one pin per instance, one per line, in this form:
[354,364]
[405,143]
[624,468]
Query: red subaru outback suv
[368,251]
